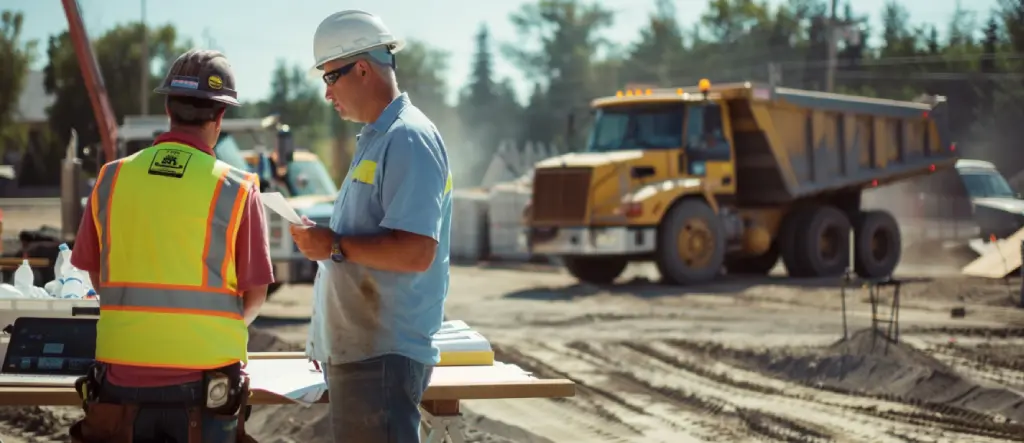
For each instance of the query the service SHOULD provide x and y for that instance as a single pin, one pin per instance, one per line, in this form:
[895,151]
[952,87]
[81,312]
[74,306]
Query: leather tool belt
[111,420]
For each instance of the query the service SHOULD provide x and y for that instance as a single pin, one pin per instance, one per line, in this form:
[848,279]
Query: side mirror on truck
[285,147]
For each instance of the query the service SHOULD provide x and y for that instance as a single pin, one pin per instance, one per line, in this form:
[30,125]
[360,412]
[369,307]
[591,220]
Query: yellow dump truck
[731,177]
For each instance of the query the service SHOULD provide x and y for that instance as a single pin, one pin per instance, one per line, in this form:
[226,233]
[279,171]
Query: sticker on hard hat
[170,163]
[215,82]
[185,82]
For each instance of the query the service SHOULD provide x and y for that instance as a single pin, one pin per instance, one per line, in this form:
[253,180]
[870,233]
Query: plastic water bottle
[53,288]
[74,286]
[8,292]
[24,279]
[63,257]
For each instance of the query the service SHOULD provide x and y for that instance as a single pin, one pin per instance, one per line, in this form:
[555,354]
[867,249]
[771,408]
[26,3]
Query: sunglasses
[332,76]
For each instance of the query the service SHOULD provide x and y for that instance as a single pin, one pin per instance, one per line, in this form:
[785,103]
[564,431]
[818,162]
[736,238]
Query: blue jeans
[377,400]
[170,424]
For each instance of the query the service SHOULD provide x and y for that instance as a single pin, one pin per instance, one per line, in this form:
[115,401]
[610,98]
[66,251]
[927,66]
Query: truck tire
[691,243]
[824,242]
[757,265]
[877,245]
[595,270]
[789,246]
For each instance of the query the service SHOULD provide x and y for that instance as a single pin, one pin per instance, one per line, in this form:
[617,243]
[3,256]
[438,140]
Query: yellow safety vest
[167,219]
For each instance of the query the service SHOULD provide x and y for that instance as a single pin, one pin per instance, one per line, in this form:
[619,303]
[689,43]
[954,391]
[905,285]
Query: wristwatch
[336,255]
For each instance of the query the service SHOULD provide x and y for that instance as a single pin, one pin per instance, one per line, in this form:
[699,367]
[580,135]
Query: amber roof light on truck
[703,91]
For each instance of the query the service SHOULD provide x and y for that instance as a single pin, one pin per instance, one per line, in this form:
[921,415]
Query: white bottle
[53,288]
[63,257]
[73,286]
[8,292]
[24,279]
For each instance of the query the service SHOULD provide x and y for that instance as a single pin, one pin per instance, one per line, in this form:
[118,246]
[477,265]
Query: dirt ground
[754,359]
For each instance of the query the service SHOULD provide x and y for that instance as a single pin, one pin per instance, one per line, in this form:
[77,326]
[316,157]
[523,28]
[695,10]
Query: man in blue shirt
[383,262]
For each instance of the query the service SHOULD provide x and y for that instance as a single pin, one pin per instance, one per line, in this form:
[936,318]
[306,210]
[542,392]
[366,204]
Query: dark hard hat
[201,73]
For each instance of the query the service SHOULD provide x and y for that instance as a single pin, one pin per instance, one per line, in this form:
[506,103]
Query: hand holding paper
[277,203]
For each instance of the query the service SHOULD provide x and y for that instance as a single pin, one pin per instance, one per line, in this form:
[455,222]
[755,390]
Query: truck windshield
[987,184]
[310,177]
[228,152]
[619,128]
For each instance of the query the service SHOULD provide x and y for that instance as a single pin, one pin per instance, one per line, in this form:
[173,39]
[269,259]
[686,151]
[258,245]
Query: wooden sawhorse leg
[442,422]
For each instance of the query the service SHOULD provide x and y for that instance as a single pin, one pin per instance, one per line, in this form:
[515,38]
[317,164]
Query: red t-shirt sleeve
[86,253]
[252,250]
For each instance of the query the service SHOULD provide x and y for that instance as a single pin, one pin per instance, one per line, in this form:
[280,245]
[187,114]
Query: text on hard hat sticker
[185,82]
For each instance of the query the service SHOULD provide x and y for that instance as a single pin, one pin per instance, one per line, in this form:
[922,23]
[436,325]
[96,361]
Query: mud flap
[105,423]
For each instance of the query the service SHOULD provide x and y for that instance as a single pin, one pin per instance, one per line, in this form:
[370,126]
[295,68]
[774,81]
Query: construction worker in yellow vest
[176,241]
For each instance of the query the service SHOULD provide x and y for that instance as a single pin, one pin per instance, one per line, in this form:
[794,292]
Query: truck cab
[306,184]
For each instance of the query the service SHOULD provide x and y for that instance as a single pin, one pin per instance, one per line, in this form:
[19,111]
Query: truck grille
[560,195]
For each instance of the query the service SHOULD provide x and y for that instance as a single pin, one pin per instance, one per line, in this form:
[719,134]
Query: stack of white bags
[69,282]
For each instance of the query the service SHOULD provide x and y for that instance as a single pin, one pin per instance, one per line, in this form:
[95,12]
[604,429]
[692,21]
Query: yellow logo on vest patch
[170,162]
[365,172]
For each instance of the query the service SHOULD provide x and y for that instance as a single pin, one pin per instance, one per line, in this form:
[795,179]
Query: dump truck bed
[792,144]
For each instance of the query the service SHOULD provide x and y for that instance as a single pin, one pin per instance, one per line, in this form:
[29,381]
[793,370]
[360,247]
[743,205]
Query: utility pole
[833,50]
[144,81]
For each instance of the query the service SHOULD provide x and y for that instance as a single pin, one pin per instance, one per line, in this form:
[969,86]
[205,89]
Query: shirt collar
[185,139]
[390,113]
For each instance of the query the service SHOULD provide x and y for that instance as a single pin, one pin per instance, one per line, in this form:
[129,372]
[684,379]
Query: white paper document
[277,203]
[292,378]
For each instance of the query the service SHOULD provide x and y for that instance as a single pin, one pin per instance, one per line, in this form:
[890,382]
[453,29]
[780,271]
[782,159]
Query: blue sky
[254,33]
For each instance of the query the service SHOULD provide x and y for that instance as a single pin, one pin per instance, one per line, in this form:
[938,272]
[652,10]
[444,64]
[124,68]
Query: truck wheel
[789,247]
[595,270]
[824,242]
[691,243]
[757,265]
[878,245]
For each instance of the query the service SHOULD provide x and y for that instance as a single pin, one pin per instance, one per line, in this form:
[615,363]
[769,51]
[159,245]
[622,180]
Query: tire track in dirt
[648,414]
[906,416]
[794,419]
[969,363]
[804,414]
[697,416]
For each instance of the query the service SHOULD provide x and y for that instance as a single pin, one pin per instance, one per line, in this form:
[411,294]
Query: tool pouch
[105,423]
[243,413]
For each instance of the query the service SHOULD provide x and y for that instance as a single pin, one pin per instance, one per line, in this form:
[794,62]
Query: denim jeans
[170,424]
[377,400]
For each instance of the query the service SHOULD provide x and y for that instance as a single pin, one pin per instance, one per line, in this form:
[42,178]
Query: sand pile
[869,363]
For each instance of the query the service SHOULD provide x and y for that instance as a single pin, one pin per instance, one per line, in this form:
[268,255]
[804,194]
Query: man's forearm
[392,251]
[252,302]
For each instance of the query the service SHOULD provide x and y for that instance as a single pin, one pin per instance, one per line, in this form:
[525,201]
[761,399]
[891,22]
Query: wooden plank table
[441,401]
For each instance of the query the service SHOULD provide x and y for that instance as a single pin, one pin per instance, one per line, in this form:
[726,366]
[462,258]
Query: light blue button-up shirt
[398,180]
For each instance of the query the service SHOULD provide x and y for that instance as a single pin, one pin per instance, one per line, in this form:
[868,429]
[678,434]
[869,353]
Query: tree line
[974,59]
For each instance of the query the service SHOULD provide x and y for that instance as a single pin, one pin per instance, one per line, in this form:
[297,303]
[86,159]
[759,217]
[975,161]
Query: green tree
[481,109]
[569,37]
[660,52]
[118,52]
[15,56]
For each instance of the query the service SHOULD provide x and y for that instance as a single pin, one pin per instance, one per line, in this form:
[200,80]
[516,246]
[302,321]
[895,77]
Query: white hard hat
[347,33]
